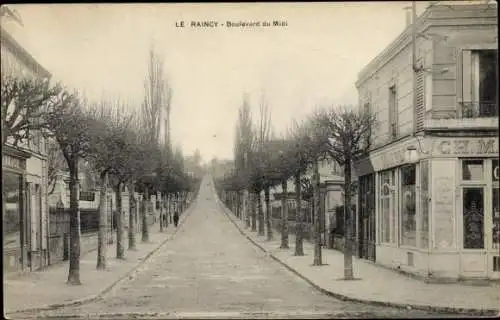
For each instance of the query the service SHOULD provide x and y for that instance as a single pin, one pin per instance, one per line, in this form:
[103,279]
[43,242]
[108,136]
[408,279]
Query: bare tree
[55,163]
[158,95]
[71,127]
[299,166]
[348,131]
[24,100]
[263,135]
[108,158]
[242,150]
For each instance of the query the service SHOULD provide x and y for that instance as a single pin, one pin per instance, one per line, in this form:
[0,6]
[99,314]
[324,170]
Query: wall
[375,90]
[445,31]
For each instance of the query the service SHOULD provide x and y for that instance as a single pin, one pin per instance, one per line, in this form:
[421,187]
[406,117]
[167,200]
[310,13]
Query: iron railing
[479,109]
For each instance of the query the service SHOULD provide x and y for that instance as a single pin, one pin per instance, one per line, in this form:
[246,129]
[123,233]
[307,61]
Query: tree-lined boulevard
[106,216]
[209,270]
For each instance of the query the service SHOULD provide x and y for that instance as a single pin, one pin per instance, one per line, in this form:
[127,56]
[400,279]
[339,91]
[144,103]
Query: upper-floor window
[366,108]
[393,115]
[481,96]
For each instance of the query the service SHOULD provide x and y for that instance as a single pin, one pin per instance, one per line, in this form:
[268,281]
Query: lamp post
[411,155]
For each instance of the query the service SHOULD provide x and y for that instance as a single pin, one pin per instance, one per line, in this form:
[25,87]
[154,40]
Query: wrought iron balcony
[479,109]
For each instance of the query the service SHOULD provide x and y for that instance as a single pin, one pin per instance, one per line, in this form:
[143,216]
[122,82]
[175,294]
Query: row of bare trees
[264,161]
[121,146]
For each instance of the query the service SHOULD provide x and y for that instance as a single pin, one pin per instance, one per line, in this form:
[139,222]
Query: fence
[59,232]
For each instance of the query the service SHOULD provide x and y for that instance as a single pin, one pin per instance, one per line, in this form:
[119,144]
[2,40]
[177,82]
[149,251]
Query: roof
[435,12]
[21,53]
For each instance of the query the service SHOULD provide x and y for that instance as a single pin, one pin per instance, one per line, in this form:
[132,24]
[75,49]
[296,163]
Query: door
[493,226]
[473,228]
[366,221]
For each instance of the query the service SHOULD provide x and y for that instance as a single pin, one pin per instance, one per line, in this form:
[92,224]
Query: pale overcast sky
[314,60]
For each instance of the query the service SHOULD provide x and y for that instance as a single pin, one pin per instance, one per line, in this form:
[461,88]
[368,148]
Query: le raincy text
[230,24]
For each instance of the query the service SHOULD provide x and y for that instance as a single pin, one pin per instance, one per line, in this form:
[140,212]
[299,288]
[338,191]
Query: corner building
[429,189]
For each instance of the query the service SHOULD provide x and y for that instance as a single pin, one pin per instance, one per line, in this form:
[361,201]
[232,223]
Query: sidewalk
[47,289]
[378,285]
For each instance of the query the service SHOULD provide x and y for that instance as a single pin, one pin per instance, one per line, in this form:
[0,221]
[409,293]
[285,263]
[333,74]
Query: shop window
[12,209]
[473,217]
[424,204]
[495,203]
[408,209]
[472,170]
[386,205]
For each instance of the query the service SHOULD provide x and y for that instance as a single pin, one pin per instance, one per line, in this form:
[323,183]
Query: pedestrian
[165,221]
[176,218]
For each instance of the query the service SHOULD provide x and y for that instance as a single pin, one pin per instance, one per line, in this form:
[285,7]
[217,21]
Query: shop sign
[389,159]
[12,162]
[466,147]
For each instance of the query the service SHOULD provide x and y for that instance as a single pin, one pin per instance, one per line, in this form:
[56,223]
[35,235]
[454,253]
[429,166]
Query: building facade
[24,178]
[429,195]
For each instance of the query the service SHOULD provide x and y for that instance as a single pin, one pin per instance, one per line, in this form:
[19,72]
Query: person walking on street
[176,218]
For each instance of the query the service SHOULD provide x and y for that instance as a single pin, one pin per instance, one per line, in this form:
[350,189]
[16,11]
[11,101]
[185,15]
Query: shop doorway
[480,223]
[366,218]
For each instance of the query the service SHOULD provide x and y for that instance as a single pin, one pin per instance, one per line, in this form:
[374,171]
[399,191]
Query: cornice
[15,152]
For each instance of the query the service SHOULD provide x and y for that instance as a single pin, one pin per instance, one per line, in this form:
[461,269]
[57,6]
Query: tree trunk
[299,248]
[317,227]
[268,215]
[348,270]
[145,227]
[237,194]
[246,208]
[253,206]
[74,224]
[161,212]
[170,206]
[131,217]
[120,249]
[261,214]
[284,216]
[103,223]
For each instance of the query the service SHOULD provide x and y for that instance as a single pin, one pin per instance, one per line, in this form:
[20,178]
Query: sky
[102,50]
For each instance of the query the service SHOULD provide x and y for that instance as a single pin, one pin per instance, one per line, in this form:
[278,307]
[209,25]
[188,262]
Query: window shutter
[466,76]
[419,101]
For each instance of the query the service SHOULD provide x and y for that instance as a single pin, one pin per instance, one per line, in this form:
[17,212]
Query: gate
[58,235]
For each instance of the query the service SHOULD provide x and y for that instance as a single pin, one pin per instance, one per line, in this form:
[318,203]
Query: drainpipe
[415,68]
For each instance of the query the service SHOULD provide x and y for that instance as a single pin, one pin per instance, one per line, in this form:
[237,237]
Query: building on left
[24,177]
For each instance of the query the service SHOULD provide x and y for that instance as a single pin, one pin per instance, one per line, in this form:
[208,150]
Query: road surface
[209,270]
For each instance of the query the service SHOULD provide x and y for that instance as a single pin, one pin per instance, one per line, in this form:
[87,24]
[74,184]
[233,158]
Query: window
[473,217]
[366,108]
[480,88]
[484,89]
[393,123]
[424,204]
[12,211]
[472,170]
[408,210]
[386,205]
[495,203]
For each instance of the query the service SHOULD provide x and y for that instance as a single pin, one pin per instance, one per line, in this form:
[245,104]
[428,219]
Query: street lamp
[411,155]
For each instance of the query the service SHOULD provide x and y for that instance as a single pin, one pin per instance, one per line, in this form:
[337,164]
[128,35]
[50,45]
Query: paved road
[209,270]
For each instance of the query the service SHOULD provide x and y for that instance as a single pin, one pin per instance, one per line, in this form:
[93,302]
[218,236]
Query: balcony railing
[479,109]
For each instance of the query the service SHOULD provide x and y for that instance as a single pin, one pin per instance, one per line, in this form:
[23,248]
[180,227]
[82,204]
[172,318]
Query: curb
[97,296]
[438,309]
